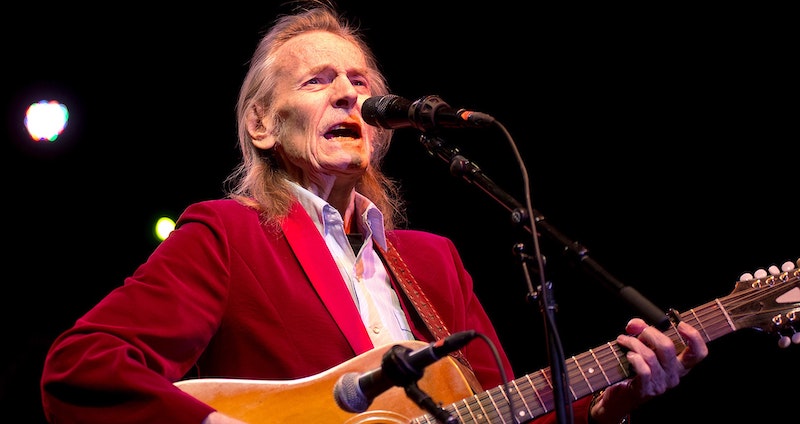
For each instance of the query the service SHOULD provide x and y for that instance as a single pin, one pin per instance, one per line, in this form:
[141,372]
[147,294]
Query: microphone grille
[348,395]
[374,108]
[389,111]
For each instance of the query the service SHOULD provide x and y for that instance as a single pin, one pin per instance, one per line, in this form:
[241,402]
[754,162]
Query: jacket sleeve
[118,362]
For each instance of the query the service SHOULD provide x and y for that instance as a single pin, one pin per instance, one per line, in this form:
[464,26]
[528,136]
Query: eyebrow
[354,71]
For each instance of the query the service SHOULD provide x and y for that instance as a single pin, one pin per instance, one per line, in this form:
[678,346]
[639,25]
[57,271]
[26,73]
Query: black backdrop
[658,137]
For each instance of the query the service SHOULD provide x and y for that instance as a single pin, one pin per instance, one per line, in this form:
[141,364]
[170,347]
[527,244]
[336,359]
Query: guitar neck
[588,372]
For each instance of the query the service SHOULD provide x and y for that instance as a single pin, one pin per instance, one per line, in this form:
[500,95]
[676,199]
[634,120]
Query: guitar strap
[421,303]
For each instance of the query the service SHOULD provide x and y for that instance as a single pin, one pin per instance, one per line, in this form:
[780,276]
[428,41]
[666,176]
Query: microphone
[355,392]
[424,114]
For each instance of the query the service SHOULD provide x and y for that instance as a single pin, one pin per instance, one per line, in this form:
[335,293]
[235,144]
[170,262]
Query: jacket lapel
[319,266]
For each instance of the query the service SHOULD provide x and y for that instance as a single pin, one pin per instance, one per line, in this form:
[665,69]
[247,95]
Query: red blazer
[225,295]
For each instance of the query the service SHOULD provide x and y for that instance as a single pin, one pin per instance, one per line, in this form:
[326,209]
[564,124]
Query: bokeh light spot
[46,120]
[164,226]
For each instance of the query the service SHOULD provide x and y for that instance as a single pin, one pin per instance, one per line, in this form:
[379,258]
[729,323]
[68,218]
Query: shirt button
[376,330]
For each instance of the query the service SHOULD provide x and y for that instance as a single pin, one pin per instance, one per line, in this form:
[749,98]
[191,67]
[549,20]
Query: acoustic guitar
[770,303]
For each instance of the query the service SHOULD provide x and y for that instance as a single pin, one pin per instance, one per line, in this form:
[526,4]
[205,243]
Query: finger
[650,378]
[663,346]
[696,349]
[635,326]
[666,357]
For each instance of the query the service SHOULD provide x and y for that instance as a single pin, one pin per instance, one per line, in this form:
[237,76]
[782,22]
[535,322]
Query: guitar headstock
[769,300]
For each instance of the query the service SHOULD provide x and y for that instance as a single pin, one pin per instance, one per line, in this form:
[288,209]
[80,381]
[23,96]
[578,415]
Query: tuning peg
[784,341]
[772,270]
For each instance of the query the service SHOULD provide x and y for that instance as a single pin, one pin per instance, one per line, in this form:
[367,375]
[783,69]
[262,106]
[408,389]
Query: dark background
[663,139]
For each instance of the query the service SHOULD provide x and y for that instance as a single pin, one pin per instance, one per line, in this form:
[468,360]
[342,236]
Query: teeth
[343,130]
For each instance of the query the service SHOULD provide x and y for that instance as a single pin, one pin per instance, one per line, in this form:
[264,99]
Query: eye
[320,76]
[318,79]
[359,81]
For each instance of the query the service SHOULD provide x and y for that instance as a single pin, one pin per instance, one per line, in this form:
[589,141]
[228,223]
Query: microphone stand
[469,171]
[462,167]
[396,367]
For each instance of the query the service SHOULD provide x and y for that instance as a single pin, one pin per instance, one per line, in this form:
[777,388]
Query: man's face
[322,82]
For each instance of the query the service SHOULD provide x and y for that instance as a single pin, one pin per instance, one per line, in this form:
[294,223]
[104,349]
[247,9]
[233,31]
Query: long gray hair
[258,180]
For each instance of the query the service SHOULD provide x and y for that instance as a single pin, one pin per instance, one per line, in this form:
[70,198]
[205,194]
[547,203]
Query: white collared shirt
[363,271]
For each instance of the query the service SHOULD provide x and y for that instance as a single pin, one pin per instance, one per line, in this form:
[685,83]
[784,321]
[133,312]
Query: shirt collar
[322,214]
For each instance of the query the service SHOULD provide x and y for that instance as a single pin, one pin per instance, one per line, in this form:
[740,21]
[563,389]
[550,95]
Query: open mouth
[352,131]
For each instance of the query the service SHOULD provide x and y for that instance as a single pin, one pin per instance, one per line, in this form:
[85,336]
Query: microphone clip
[399,370]
[424,112]
[432,112]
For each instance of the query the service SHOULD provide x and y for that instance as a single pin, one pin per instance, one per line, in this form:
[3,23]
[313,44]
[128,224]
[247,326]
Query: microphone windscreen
[348,394]
[389,111]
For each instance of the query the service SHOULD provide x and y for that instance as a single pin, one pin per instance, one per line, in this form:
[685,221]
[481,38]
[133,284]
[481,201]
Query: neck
[342,199]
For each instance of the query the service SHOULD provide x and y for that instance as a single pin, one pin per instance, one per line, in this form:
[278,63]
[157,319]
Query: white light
[46,120]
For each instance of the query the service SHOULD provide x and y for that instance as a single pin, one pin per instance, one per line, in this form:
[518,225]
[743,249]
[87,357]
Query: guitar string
[600,356]
[575,373]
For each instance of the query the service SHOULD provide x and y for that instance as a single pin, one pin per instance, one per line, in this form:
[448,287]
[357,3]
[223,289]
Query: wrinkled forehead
[321,49]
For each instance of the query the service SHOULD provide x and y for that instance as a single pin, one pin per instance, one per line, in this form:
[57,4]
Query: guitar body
[311,399]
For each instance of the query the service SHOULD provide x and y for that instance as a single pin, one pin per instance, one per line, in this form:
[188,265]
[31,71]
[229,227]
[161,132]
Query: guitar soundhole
[378,417]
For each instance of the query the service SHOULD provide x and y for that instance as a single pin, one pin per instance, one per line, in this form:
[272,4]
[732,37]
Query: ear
[260,128]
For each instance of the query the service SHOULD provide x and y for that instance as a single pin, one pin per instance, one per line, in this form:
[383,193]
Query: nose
[344,93]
